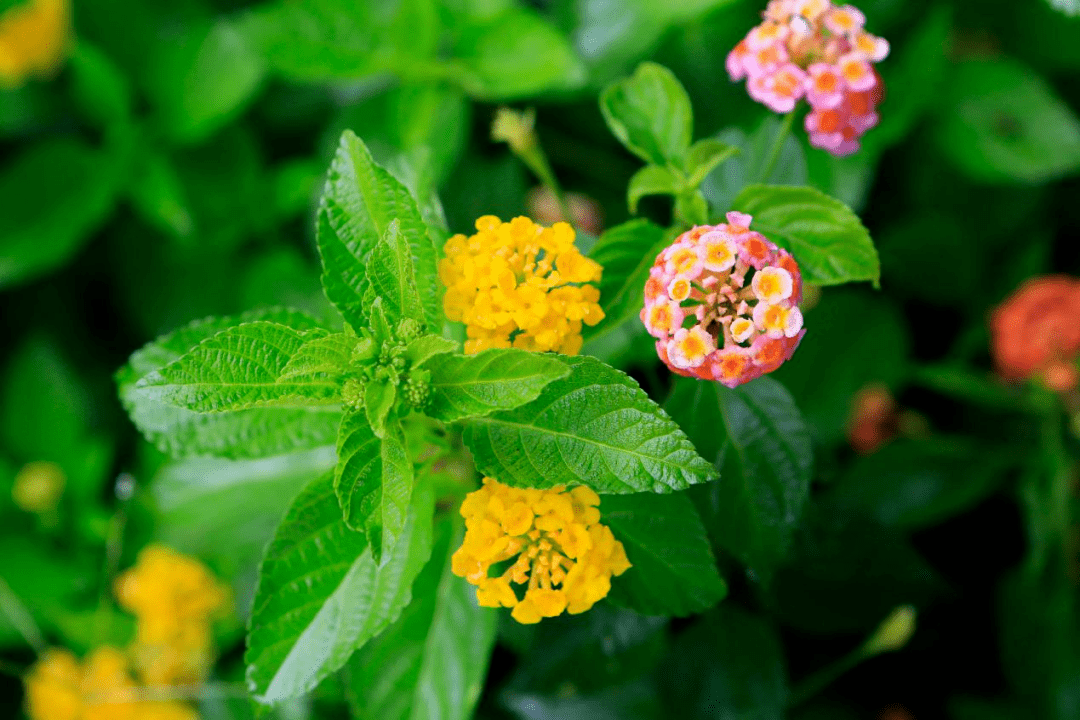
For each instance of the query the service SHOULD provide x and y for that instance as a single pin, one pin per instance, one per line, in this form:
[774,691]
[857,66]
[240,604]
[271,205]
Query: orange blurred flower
[874,419]
[1035,332]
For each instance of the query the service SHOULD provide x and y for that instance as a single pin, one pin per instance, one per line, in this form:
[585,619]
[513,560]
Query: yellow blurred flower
[520,284]
[39,486]
[174,598]
[565,557]
[59,687]
[34,40]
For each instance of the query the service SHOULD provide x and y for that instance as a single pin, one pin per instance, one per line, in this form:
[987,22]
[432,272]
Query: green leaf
[514,55]
[626,253]
[373,480]
[379,397]
[252,433]
[423,348]
[360,201]
[52,197]
[466,386]
[724,183]
[762,446]
[1007,124]
[651,180]
[650,114]
[240,368]
[692,208]
[393,277]
[827,239]
[321,594]
[99,87]
[674,571]
[595,427]
[704,156]
[433,660]
[327,357]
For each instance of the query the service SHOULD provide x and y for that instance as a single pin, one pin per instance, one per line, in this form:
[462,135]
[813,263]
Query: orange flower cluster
[1035,332]
[874,419]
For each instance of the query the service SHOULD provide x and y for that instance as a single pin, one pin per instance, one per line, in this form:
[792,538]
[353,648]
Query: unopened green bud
[364,350]
[417,388]
[408,330]
[352,393]
[893,633]
[514,128]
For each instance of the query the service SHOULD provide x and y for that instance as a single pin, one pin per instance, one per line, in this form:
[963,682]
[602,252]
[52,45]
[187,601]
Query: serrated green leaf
[379,396]
[651,180]
[464,386]
[431,662]
[257,432]
[626,252]
[360,201]
[758,439]
[328,357]
[704,156]
[674,571]
[650,114]
[321,594]
[595,427]
[827,239]
[423,348]
[240,368]
[393,277]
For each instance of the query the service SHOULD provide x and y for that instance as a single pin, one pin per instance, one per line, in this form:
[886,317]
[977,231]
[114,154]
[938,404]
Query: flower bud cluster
[565,556]
[820,51]
[519,284]
[722,303]
[1035,332]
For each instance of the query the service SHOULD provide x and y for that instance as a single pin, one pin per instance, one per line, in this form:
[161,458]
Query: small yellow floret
[34,40]
[519,284]
[565,557]
[39,486]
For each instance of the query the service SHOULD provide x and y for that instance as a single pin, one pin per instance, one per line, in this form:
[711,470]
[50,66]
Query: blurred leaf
[158,194]
[729,664]
[47,584]
[759,441]
[724,183]
[827,239]
[626,252]
[595,427]
[252,433]
[1068,7]
[514,55]
[433,660]
[967,708]
[53,196]
[465,386]
[704,156]
[631,701]
[1008,125]
[99,87]
[202,78]
[360,202]
[321,595]
[853,338]
[651,180]
[650,114]
[674,571]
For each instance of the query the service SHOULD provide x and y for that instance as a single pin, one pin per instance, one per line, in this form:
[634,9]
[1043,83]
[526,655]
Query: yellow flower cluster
[174,599]
[59,687]
[34,38]
[565,556]
[520,284]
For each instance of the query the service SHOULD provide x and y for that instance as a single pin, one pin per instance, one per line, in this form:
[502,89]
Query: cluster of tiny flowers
[34,39]
[816,50]
[874,419]
[1035,332]
[565,557]
[722,303]
[519,284]
[59,687]
[174,599]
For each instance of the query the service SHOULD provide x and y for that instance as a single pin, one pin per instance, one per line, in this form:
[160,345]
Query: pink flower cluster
[816,50]
[722,302]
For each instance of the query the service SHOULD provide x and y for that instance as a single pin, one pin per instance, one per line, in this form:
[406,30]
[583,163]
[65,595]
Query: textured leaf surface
[360,201]
[464,386]
[321,358]
[763,449]
[827,239]
[650,114]
[650,180]
[393,278]
[595,427]
[239,368]
[626,252]
[321,595]
[674,571]
[432,662]
[257,432]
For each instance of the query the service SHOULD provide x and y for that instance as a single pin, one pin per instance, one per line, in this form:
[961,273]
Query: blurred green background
[171,168]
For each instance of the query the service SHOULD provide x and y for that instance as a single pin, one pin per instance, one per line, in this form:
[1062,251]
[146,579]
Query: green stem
[20,618]
[535,159]
[114,546]
[817,681]
[778,145]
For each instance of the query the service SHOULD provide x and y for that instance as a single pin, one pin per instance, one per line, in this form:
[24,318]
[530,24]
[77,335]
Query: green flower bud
[352,393]
[893,633]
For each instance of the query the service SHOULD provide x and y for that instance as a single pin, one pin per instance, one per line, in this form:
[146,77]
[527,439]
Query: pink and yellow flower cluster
[820,51]
[565,556]
[722,302]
